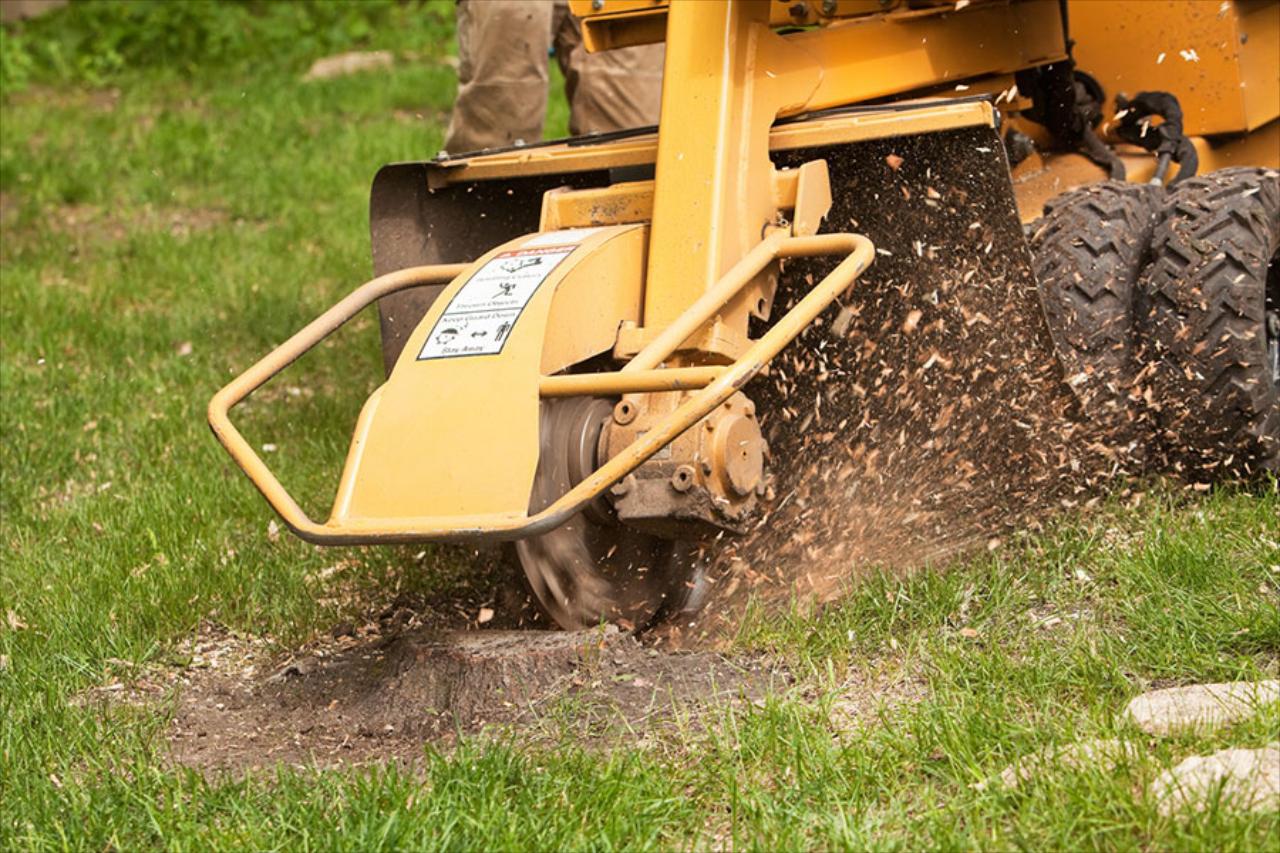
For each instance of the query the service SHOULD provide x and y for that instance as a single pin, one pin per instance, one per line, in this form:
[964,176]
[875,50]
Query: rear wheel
[1212,325]
[593,569]
[1089,249]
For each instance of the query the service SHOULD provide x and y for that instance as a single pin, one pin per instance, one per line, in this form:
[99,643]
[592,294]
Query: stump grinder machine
[587,340]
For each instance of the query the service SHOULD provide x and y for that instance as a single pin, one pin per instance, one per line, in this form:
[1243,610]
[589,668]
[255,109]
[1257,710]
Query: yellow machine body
[685,226]
[1220,58]
[454,372]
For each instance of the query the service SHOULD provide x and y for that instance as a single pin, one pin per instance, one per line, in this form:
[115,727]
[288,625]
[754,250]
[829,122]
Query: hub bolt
[624,413]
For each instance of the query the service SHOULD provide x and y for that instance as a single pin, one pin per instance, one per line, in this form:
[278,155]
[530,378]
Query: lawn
[166,222]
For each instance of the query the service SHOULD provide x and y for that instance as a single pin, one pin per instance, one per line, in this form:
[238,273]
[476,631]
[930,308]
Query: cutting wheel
[593,569]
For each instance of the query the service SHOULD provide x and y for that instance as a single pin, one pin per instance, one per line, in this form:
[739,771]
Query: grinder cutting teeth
[631,556]
[594,568]
[628,354]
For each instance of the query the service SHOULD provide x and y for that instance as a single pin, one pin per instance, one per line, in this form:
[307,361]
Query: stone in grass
[1102,755]
[1162,712]
[349,63]
[1243,779]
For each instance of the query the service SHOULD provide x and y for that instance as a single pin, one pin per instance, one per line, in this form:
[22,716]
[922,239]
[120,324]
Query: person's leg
[502,73]
[609,90]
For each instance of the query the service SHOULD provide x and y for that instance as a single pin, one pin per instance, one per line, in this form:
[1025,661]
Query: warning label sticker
[481,315]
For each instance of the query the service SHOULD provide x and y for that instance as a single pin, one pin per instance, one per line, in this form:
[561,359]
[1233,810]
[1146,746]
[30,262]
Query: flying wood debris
[957,424]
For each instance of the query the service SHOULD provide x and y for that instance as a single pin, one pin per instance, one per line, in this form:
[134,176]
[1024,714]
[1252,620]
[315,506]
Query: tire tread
[1218,408]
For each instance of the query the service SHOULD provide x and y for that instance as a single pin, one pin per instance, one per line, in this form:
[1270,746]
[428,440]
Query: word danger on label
[483,312]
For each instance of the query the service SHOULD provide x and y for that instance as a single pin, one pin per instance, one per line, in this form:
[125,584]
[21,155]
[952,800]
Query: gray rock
[1103,755]
[1243,779]
[1162,712]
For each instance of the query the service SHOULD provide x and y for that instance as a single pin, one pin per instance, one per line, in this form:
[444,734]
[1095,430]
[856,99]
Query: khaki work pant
[503,81]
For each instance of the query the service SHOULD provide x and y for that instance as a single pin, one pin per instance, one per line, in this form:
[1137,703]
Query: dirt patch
[874,691]
[92,224]
[354,700]
[83,226]
[8,209]
[62,97]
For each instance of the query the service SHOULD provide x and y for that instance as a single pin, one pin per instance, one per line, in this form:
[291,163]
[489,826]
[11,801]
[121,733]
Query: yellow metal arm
[628,382]
[286,354]
[717,385]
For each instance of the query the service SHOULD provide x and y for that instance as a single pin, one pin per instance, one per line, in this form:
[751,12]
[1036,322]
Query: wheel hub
[707,481]
[592,568]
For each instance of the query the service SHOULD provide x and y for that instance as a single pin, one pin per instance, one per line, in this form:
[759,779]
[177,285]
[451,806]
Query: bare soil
[354,700]
[93,224]
[85,227]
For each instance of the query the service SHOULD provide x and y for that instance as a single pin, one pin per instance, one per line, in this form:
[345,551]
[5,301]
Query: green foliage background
[94,43]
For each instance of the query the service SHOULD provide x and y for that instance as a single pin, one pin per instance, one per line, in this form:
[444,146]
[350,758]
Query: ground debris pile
[381,698]
[926,414]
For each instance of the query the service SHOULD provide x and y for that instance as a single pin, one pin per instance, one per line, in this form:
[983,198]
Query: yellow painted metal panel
[604,290]
[452,434]
[590,8]
[926,117]
[867,58]
[1260,60]
[1219,57]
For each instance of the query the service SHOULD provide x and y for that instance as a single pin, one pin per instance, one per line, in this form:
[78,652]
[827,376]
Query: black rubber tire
[1089,249]
[1215,266]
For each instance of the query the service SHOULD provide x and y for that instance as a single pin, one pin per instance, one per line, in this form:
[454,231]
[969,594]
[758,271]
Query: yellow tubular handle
[623,382]
[718,384]
[286,354]
[861,253]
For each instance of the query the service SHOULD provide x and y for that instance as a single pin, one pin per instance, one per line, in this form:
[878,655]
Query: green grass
[224,210]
